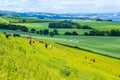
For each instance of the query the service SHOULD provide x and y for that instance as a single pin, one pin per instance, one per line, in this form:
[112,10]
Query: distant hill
[82,16]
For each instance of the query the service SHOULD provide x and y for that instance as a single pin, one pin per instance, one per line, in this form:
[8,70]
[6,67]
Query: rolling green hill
[33,22]
[21,61]
[3,20]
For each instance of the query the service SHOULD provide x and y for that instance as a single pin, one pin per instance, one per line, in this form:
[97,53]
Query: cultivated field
[21,61]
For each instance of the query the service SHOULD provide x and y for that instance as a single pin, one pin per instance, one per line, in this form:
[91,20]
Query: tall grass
[21,61]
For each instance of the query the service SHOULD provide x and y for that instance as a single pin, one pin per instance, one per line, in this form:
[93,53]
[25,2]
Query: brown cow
[6,34]
[85,57]
[31,41]
[40,41]
[92,59]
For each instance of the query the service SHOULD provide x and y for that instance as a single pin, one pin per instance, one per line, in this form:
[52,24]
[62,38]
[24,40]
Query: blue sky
[61,6]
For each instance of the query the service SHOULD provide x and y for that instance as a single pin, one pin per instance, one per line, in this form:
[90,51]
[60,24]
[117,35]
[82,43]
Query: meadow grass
[43,24]
[3,20]
[21,61]
[103,45]
[100,25]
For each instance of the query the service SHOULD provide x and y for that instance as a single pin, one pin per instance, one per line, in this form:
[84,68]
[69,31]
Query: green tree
[46,31]
[33,30]
[55,32]
[40,32]
[51,34]
[75,33]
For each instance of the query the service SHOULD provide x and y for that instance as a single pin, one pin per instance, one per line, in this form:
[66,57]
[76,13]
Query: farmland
[100,25]
[20,61]
[43,24]
[103,45]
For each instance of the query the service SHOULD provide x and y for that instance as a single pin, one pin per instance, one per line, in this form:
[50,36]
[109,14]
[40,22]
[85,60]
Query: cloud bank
[61,6]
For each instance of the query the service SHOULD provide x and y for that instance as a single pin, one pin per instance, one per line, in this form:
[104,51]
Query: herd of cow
[32,41]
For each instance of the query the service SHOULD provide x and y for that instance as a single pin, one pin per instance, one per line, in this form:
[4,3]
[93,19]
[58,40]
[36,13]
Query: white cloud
[59,6]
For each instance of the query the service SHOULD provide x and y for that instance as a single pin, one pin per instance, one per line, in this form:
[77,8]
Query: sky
[61,6]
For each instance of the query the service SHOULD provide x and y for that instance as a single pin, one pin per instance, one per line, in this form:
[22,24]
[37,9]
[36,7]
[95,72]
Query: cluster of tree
[45,32]
[68,24]
[13,27]
[113,32]
[71,33]
[102,20]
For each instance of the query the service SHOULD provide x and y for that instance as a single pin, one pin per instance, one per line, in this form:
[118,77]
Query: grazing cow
[29,37]
[40,41]
[92,59]
[85,57]
[16,35]
[31,41]
[6,34]
[46,45]
[50,46]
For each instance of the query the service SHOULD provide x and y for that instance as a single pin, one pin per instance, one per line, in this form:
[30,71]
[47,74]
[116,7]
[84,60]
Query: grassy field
[100,25]
[102,45]
[43,24]
[21,61]
[3,20]
[17,19]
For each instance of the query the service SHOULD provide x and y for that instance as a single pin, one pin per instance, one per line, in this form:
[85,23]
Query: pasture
[3,20]
[100,25]
[103,45]
[21,61]
[36,23]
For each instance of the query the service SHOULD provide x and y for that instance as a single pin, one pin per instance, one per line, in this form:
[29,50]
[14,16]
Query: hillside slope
[3,20]
[21,61]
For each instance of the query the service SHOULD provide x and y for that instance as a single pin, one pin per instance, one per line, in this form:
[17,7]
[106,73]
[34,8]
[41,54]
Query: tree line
[13,27]
[45,32]
[68,24]
[113,32]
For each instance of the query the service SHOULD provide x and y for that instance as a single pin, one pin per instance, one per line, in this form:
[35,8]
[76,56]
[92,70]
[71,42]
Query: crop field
[44,25]
[21,61]
[100,25]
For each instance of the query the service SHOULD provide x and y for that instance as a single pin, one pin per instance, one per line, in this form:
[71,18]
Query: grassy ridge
[20,61]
